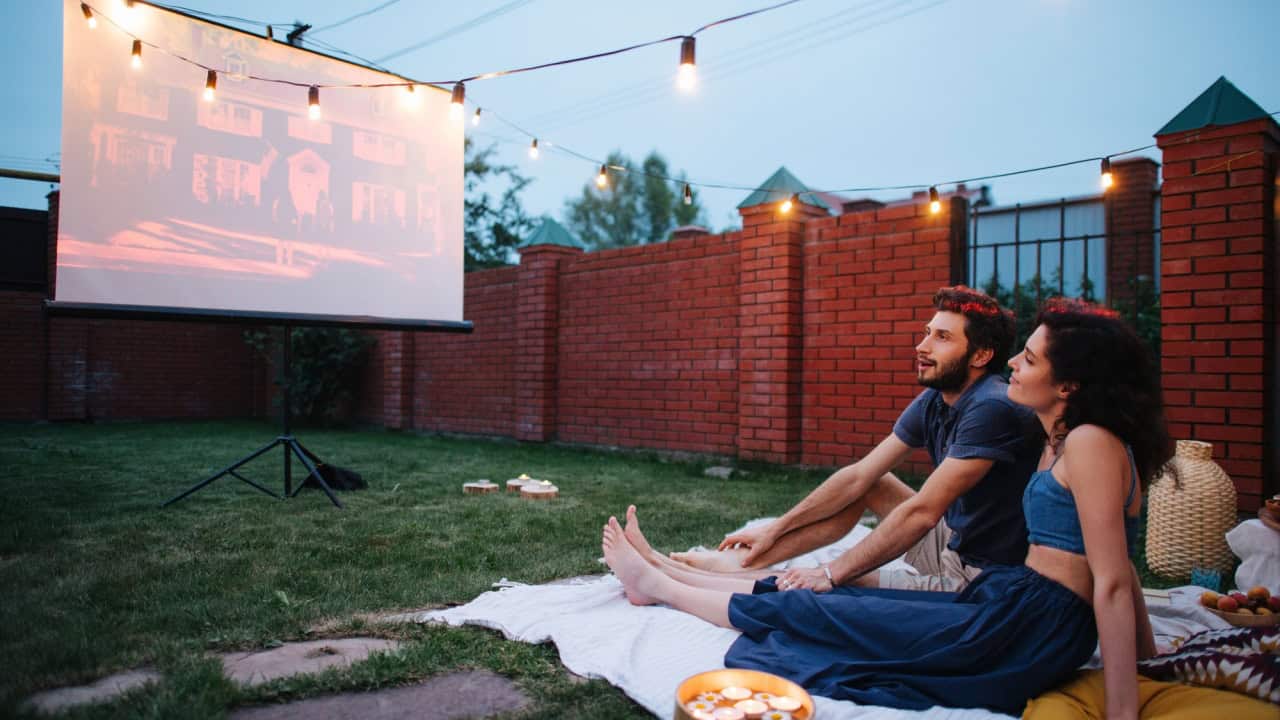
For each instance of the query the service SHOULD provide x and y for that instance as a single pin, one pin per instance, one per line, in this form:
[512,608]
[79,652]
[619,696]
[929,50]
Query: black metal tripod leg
[225,471]
[244,479]
[311,468]
[314,458]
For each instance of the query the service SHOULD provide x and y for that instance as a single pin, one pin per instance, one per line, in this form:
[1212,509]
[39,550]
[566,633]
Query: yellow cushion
[1083,697]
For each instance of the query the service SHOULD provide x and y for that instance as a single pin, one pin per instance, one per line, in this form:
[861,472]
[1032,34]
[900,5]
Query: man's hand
[805,579]
[751,537]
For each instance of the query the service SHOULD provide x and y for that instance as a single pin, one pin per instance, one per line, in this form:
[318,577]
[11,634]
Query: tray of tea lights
[741,695]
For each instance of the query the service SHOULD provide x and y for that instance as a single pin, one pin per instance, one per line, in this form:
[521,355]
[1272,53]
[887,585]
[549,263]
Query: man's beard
[949,377]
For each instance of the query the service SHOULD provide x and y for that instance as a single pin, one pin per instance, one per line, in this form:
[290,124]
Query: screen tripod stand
[286,440]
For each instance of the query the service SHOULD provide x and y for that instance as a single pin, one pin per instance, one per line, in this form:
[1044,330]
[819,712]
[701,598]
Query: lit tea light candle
[728,713]
[710,697]
[764,697]
[734,693]
[776,715]
[752,708]
[700,708]
[784,703]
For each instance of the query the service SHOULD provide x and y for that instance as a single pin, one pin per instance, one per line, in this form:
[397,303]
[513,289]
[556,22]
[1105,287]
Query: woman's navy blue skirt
[1011,635]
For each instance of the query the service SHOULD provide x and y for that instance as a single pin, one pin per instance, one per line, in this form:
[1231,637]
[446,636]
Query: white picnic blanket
[649,651]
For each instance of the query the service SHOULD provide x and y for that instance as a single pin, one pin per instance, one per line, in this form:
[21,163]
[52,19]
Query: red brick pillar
[1131,209]
[397,379]
[1219,296]
[537,332]
[770,331]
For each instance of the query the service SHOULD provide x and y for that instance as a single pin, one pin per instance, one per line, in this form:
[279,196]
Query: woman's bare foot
[638,540]
[640,580]
[720,561]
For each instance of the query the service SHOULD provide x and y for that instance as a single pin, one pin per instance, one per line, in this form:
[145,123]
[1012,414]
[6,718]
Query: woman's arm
[1141,620]
[1097,472]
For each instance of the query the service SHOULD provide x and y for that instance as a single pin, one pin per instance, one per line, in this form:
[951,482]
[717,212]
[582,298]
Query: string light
[455,103]
[313,102]
[475,119]
[603,178]
[687,70]
[411,97]
[137,55]
[687,75]
[790,203]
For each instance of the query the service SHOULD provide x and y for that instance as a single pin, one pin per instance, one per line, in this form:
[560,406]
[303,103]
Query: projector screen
[172,202]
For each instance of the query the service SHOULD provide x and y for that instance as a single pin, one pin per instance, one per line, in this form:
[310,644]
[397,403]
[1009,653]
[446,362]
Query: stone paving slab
[108,688]
[260,666]
[454,696]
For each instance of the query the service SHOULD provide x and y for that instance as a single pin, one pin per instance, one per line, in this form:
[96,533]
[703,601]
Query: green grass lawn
[95,578]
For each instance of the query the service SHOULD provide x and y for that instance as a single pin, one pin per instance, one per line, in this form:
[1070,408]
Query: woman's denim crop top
[1052,519]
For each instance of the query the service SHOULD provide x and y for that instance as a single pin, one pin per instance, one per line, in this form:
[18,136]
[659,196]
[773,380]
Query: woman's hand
[814,579]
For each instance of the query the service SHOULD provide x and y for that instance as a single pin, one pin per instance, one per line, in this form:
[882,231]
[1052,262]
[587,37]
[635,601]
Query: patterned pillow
[1242,659]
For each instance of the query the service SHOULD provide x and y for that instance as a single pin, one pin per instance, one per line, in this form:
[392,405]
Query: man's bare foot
[640,580]
[638,540]
[721,561]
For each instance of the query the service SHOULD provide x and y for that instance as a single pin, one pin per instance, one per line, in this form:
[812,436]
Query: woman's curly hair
[1117,379]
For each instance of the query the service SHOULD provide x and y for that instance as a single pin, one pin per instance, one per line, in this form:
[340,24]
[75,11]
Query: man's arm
[907,523]
[844,487]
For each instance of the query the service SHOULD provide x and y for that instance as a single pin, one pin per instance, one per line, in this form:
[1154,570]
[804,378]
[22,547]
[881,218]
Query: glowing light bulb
[137,54]
[88,16]
[688,195]
[603,178]
[210,85]
[456,102]
[313,102]
[687,75]
[1107,178]
[935,204]
[475,119]
[411,97]
[533,149]
[790,203]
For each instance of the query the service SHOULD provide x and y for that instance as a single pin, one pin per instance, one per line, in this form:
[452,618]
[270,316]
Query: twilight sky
[844,93]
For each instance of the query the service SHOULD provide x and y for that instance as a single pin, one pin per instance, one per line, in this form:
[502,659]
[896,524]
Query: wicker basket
[1188,515]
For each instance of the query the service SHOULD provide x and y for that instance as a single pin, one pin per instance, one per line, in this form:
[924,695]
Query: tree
[609,217]
[659,201]
[492,226]
[634,208]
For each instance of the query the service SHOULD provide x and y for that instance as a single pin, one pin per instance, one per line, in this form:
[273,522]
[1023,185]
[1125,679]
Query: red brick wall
[22,360]
[466,383]
[1219,298]
[869,277]
[133,369]
[648,346]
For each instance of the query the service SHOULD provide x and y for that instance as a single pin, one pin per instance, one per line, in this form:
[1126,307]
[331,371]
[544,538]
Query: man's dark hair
[987,325]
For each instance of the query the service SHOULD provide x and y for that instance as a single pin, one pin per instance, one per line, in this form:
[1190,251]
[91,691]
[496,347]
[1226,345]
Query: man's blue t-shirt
[987,521]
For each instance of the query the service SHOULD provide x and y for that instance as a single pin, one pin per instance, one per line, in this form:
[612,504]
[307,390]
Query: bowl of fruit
[1256,607]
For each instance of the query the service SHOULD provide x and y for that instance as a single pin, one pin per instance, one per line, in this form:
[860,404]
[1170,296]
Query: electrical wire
[463,27]
[357,16]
